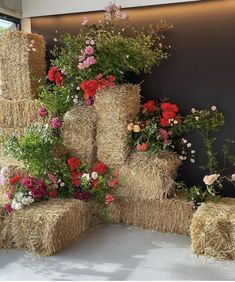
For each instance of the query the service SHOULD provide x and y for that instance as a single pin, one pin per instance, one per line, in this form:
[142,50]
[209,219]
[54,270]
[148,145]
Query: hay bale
[148,176]
[17,113]
[170,215]
[79,133]
[9,168]
[47,227]
[22,64]
[213,230]
[115,107]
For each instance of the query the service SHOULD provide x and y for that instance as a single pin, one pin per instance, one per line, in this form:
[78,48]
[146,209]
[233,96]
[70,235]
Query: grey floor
[117,253]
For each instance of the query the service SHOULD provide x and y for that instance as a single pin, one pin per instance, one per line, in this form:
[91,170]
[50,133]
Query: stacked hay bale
[213,230]
[79,133]
[45,228]
[115,107]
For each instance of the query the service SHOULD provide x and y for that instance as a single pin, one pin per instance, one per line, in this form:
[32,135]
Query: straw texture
[213,230]
[170,215]
[79,133]
[22,64]
[9,168]
[148,176]
[115,107]
[47,227]
[17,113]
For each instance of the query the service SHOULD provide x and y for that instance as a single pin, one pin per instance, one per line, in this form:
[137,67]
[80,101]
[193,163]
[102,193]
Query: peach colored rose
[210,179]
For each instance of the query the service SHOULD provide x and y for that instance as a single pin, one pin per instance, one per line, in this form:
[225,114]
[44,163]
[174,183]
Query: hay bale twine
[47,227]
[8,169]
[22,64]
[17,113]
[115,107]
[170,215]
[148,176]
[79,133]
[213,230]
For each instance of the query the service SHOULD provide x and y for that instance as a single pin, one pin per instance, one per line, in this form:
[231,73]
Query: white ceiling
[33,8]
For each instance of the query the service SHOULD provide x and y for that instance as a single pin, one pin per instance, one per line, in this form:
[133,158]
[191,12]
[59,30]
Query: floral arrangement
[53,171]
[98,57]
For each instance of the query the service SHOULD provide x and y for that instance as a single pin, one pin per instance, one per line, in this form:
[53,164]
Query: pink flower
[81,66]
[8,208]
[91,60]
[210,179]
[84,21]
[86,63]
[81,58]
[89,50]
[56,123]
[89,102]
[42,112]
[9,194]
[165,134]
[108,199]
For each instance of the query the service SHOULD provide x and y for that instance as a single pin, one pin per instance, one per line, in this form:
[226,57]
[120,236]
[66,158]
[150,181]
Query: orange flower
[142,147]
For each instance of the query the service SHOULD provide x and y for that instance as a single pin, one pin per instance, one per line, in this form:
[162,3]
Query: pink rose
[86,63]
[91,60]
[56,123]
[210,179]
[81,58]
[42,112]
[89,50]
[81,66]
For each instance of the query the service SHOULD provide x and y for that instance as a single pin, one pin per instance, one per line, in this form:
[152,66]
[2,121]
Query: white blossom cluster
[21,199]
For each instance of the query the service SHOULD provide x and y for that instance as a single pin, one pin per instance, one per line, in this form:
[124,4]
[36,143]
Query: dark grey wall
[199,73]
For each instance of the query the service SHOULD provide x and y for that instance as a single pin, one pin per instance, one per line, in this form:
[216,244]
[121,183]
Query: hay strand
[79,133]
[115,107]
[148,176]
[213,230]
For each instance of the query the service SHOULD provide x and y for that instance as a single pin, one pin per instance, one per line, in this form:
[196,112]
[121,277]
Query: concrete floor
[117,253]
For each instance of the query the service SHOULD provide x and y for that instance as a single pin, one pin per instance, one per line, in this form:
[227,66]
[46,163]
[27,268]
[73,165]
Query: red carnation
[169,114]
[51,73]
[59,79]
[142,147]
[100,168]
[150,106]
[75,179]
[164,122]
[15,179]
[89,87]
[113,182]
[169,107]
[73,163]
[53,194]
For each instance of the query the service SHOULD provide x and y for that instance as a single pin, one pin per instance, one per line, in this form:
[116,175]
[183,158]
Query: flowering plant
[99,57]
[157,129]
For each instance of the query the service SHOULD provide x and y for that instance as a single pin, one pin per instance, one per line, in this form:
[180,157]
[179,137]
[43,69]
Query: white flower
[193,110]
[196,118]
[189,145]
[78,88]
[175,121]
[185,158]
[123,29]
[94,175]
[27,201]
[184,141]
[46,125]
[75,101]
[62,184]
[34,50]
[92,42]
[87,42]
[192,160]
[30,45]
[193,152]
[233,177]
[19,196]
[86,175]
[127,56]
[181,158]
[55,39]
[213,108]
[210,179]
[18,206]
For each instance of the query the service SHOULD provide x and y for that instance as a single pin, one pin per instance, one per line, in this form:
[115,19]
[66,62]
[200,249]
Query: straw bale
[79,132]
[213,230]
[47,227]
[9,168]
[17,113]
[22,64]
[148,176]
[115,107]
[170,215]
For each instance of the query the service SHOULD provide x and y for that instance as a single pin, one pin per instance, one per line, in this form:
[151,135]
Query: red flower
[59,79]
[100,168]
[53,194]
[75,179]
[15,179]
[51,73]
[169,107]
[9,194]
[113,182]
[108,199]
[95,184]
[73,163]
[142,147]
[164,122]
[150,106]
[8,208]
[169,114]
[89,87]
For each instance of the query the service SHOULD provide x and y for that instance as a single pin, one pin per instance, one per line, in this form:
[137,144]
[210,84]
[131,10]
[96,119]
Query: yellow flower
[136,128]
[130,126]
